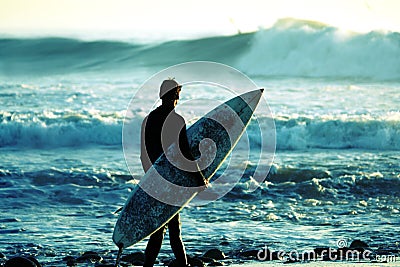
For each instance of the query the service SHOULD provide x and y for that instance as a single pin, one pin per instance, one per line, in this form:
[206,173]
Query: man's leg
[175,239]
[153,247]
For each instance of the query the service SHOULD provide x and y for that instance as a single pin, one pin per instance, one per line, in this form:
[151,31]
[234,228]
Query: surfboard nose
[252,98]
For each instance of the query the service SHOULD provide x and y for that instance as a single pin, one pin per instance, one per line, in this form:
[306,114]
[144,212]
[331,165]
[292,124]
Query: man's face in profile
[177,96]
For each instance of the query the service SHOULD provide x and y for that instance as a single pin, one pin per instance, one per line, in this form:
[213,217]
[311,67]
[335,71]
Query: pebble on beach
[22,262]
[89,256]
[215,254]
[358,244]
[135,258]
[193,261]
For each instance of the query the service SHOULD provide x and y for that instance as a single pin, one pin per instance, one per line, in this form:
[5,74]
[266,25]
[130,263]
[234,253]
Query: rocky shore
[358,251]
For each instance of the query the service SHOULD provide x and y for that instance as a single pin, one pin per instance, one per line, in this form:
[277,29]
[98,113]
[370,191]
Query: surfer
[162,127]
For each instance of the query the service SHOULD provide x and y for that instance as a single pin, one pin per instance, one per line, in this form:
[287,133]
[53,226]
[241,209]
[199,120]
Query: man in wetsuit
[161,128]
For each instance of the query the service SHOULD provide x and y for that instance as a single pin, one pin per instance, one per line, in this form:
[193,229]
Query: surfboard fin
[118,210]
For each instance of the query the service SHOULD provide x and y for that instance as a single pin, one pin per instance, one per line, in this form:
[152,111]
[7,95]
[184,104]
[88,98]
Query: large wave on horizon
[291,48]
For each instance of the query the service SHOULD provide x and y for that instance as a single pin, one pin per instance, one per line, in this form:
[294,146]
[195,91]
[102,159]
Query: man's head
[169,91]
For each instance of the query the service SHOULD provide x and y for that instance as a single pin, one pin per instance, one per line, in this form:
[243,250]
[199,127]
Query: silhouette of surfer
[161,128]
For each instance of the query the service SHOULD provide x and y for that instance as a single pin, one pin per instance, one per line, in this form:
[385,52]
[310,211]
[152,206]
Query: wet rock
[264,255]
[326,257]
[275,256]
[327,254]
[136,258]
[34,260]
[2,256]
[249,254]
[22,262]
[207,259]
[68,258]
[215,254]
[321,250]
[71,262]
[89,256]
[194,262]
[216,263]
[268,255]
[358,244]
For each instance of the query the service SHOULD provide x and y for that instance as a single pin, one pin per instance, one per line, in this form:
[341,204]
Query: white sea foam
[293,133]
[305,49]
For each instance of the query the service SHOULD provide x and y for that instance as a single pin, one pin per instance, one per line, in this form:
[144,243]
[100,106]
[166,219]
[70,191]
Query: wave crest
[293,48]
[311,49]
[338,133]
[63,129]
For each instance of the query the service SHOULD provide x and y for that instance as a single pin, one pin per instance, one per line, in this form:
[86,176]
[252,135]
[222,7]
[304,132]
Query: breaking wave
[293,48]
[52,129]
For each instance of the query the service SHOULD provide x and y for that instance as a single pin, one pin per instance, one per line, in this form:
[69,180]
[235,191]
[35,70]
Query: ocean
[334,97]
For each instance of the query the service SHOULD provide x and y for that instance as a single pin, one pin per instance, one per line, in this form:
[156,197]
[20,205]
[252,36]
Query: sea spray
[306,49]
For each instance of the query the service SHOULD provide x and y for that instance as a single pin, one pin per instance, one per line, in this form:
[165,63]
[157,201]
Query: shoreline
[212,257]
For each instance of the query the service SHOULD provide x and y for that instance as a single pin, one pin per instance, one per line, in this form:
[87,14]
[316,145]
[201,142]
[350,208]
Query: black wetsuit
[162,127]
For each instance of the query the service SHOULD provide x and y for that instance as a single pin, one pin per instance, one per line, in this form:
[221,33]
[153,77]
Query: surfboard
[166,187]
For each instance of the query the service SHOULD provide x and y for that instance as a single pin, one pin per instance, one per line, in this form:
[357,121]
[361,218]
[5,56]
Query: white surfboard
[165,189]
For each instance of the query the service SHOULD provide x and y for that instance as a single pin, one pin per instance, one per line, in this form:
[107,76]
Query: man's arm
[185,149]
[144,156]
